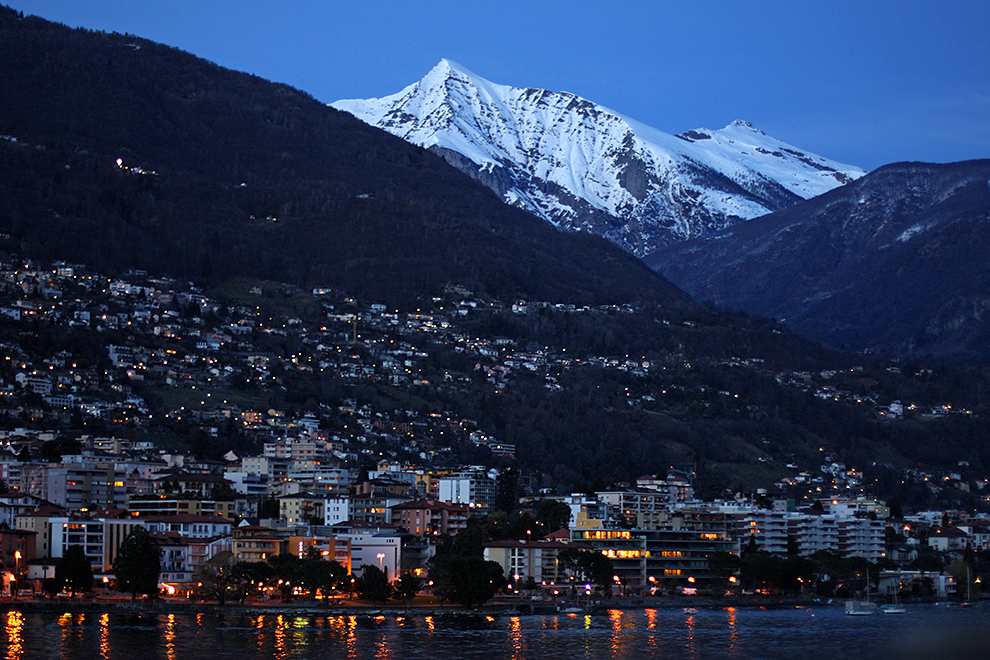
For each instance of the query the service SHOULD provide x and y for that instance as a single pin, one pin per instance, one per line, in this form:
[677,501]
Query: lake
[821,633]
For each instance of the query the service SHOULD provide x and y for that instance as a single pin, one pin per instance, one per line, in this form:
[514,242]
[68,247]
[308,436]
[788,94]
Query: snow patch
[909,232]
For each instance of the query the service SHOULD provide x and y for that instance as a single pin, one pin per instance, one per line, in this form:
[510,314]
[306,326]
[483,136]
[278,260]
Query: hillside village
[250,427]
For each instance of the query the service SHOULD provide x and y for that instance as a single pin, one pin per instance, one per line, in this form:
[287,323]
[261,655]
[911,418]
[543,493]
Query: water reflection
[689,640]
[516,645]
[259,623]
[15,642]
[668,633]
[72,629]
[652,639]
[281,643]
[381,648]
[730,613]
[105,637]
[351,639]
[616,645]
[170,637]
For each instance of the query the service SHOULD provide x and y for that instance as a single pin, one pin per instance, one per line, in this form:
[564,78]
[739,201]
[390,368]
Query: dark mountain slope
[254,178]
[895,262]
[223,174]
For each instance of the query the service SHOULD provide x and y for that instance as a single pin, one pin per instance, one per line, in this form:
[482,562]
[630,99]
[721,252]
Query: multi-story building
[862,537]
[640,508]
[183,557]
[38,521]
[381,548]
[528,559]
[15,504]
[189,526]
[301,508]
[424,517]
[17,548]
[275,469]
[767,528]
[331,548]
[813,533]
[473,488]
[847,507]
[254,543]
[336,510]
[169,504]
[99,537]
[643,557]
[86,488]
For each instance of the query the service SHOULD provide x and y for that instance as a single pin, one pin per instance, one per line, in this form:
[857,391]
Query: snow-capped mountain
[581,166]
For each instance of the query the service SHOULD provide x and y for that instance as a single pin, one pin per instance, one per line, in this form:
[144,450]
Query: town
[238,432]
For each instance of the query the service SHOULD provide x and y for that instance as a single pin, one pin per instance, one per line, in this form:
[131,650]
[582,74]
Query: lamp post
[17,569]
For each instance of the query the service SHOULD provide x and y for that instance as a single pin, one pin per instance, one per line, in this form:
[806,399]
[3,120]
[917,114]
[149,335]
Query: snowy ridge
[584,167]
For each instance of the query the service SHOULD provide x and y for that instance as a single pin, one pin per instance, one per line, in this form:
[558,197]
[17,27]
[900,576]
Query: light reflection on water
[14,627]
[736,633]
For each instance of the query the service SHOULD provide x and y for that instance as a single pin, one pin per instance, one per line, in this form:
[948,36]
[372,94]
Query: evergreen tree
[137,565]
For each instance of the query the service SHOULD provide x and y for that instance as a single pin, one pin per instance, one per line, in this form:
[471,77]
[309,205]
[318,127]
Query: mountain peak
[583,167]
[742,123]
[450,66]
[444,70]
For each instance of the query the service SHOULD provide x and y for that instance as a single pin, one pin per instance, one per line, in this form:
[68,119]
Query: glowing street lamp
[381,561]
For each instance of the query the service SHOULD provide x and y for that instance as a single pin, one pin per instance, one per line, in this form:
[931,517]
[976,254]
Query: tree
[373,584]
[552,514]
[469,581]
[507,490]
[53,450]
[73,571]
[722,566]
[223,491]
[318,575]
[407,586]
[588,565]
[216,577]
[138,564]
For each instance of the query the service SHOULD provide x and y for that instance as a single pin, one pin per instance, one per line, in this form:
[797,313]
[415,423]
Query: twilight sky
[864,82]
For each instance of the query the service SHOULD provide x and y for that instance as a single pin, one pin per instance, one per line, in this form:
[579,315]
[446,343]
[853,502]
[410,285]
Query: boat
[856,607]
[895,607]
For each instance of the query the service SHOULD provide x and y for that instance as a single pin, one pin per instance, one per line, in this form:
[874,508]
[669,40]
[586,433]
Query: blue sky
[863,82]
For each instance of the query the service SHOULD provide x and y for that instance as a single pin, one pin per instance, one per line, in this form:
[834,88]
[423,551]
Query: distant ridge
[895,263]
[581,166]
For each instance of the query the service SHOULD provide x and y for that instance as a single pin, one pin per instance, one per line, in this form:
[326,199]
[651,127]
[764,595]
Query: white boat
[893,608]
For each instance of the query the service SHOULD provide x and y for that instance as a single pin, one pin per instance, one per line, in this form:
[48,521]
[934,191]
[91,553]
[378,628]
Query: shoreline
[354,608]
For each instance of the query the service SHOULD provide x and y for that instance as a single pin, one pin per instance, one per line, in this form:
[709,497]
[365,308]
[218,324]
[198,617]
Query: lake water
[926,631]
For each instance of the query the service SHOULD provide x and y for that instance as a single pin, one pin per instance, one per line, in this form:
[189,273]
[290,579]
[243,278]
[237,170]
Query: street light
[381,561]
